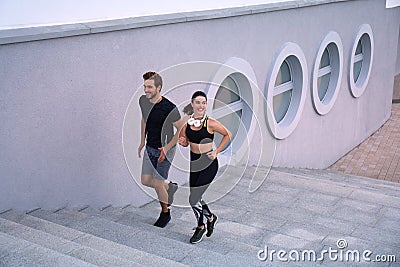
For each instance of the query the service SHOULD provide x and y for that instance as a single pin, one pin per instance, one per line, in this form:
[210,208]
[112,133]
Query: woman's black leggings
[202,173]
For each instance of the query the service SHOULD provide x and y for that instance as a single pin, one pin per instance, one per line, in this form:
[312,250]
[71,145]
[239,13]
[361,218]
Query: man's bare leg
[161,189]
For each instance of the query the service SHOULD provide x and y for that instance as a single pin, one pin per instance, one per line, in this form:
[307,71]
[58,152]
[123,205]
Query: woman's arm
[216,126]
[182,140]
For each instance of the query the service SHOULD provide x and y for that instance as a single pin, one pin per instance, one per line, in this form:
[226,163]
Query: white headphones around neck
[196,123]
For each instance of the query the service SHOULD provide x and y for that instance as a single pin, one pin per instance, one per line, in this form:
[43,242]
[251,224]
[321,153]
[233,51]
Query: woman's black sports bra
[201,136]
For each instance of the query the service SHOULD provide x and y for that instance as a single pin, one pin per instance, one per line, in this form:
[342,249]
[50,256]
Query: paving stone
[382,143]
[390,255]
[335,260]
[261,221]
[336,225]
[9,243]
[125,252]
[37,237]
[292,210]
[45,226]
[30,254]
[386,237]
[88,240]
[181,229]
[63,246]
[377,198]
[386,224]
[296,214]
[352,242]
[310,232]
[126,235]
[278,240]
[314,185]
[360,205]
[355,215]
[316,197]
[101,259]
[274,198]
[316,208]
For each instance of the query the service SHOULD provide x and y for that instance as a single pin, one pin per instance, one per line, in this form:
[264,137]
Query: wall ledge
[35,33]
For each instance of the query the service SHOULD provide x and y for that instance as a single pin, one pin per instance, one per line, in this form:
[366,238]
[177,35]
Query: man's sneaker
[163,220]
[172,187]
[211,225]
[198,235]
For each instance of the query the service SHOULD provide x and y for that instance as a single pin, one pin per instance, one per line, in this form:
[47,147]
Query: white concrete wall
[397,72]
[63,101]
[320,141]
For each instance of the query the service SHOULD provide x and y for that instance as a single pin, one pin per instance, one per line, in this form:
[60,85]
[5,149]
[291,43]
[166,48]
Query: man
[159,116]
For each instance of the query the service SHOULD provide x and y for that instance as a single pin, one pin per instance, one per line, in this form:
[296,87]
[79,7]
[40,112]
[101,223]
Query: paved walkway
[378,156]
[296,218]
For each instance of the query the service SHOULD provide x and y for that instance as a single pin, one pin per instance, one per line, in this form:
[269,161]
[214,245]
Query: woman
[199,134]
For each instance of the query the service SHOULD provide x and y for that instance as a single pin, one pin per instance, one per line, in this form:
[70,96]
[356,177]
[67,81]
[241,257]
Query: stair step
[338,177]
[303,209]
[178,229]
[181,225]
[341,185]
[61,245]
[176,250]
[88,240]
[15,251]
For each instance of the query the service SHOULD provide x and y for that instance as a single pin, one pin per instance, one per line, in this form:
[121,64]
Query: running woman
[198,132]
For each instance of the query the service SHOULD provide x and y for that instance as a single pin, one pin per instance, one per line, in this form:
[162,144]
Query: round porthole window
[286,90]
[327,73]
[361,60]
[231,97]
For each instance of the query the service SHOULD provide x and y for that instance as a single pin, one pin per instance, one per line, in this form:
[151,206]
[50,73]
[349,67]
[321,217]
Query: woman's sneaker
[198,235]
[211,225]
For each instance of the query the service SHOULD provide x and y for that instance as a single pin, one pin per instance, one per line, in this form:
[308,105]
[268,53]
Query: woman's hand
[212,155]
[183,141]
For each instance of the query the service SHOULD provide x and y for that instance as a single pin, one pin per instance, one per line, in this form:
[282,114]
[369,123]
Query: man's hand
[140,149]
[162,154]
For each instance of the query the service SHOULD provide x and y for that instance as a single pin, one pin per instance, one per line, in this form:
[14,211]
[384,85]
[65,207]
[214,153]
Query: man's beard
[151,96]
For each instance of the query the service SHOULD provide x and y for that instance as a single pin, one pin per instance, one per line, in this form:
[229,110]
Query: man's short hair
[151,75]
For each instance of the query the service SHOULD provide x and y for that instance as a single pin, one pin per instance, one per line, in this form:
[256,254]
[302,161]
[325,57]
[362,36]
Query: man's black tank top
[201,136]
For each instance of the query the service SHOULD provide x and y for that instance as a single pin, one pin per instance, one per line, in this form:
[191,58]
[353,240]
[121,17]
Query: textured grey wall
[63,101]
[398,49]
[319,141]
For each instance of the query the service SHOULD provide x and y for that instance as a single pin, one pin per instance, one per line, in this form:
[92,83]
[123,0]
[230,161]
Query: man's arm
[142,136]
[178,125]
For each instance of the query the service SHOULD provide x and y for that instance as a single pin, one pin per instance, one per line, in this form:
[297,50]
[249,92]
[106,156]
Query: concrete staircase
[293,209]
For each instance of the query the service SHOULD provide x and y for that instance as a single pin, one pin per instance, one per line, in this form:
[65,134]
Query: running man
[159,116]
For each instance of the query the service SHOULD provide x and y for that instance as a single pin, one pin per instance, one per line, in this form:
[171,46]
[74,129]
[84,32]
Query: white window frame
[333,43]
[284,87]
[231,107]
[365,35]
[243,75]
[294,56]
